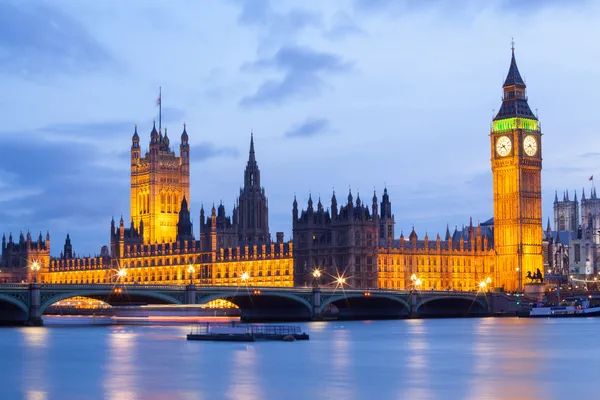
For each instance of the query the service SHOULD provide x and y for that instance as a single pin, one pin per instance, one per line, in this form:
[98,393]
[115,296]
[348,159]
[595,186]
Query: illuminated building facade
[354,241]
[516,153]
[159,182]
[229,253]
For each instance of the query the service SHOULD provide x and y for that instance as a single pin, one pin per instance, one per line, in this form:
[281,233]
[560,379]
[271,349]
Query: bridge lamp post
[35,267]
[191,270]
[341,281]
[316,275]
[245,277]
[122,274]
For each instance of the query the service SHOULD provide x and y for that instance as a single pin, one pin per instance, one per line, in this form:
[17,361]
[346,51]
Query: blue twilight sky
[358,93]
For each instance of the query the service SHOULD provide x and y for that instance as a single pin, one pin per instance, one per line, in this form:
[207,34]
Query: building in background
[18,258]
[580,235]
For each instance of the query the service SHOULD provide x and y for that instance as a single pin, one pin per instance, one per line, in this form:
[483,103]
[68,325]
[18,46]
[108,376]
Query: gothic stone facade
[224,252]
[17,257]
[355,242]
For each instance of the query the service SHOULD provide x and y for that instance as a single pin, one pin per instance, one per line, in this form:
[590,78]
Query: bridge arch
[15,302]
[374,306]
[264,305]
[452,306]
[13,310]
[110,297]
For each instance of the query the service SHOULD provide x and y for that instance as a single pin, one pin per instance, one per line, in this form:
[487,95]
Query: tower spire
[514,102]
[159,102]
[252,157]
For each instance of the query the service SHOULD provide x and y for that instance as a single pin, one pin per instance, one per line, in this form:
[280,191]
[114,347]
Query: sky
[340,94]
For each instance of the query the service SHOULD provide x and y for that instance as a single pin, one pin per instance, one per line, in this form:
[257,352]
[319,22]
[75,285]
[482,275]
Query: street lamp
[191,270]
[245,276]
[35,267]
[122,274]
[316,275]
[341,281]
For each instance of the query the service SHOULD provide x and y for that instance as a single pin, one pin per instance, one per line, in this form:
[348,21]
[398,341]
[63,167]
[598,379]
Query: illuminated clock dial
[503,146]
[530,145]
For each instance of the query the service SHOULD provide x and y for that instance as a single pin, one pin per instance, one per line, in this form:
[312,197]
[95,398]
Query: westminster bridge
[26,303]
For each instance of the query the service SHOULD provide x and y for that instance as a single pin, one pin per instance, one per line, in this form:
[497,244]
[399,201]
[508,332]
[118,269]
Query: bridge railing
[14,285]
[109,286]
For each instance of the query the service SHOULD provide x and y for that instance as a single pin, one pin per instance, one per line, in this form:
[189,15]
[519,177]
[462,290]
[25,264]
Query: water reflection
[339,379]
[417,362]
[120,370]
[481,359]
[34,373]
[244,383]
[507,353]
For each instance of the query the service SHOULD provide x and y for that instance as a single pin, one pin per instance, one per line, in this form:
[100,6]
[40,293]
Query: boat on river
[245,332]
[574,306]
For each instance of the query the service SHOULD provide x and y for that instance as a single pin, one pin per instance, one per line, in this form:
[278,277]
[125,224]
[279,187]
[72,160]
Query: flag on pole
[591,177]
[158,100]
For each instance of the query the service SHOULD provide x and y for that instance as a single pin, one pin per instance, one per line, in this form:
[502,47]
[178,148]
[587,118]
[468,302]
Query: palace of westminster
[350,240]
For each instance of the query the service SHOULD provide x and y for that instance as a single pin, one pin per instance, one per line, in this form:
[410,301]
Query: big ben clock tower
[516,151]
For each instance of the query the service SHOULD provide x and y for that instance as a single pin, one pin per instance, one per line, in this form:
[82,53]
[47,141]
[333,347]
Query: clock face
[503,146]
[530,145]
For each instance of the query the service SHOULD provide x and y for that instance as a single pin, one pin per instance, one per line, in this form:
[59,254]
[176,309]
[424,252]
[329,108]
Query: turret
[68,248]
[154,136]
[184,225]
[413,237]
[374,208]
[184,147]
[135,147]
[295,209]
[166,142]
[334,207]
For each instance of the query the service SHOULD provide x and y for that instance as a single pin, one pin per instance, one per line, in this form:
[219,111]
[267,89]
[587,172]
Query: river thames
[490,358]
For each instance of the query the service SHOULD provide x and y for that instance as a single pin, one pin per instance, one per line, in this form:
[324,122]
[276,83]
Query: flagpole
[159,108]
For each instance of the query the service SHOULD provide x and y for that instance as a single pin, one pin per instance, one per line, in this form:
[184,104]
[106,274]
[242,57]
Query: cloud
[457,7]
[36,38]
[59,187]
[594,155]
[275,27]
[343,26]
[207,150]
[310,127]
[303,70]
